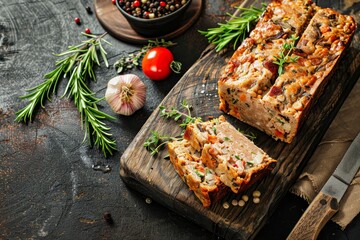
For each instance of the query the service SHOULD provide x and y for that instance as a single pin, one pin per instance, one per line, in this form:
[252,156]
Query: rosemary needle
[235,29]
[79,64]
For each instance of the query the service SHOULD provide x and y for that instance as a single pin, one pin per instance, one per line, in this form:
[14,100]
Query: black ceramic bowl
[157,26]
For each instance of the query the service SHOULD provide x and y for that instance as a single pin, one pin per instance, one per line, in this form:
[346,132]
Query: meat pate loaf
[251,69]
[234,158]
[201,180]
[214,156]
[288,101]
[250,88]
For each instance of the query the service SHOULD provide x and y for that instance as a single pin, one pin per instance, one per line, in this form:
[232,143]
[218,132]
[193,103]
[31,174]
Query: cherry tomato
[156,63]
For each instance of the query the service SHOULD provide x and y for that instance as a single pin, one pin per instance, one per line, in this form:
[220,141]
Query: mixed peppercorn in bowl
[153,18]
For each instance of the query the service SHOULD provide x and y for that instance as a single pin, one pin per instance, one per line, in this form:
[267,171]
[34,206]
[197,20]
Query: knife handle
[321,209]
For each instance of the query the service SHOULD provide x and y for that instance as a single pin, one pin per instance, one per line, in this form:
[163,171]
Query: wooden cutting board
[155,177]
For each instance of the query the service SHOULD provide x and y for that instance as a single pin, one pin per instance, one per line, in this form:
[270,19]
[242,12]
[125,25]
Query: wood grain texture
[321,209]
[156,177]
[117,25]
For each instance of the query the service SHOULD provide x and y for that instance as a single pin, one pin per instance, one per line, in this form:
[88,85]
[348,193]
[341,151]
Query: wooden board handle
[322,208]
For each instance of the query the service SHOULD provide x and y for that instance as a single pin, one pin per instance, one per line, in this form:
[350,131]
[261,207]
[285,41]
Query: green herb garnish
[200,174]
[234,29]
[128,61]
[280,121]
[250,164]
[284,54]
[78,65]
[250,135]
[156,141]
[214,130]
[175,114]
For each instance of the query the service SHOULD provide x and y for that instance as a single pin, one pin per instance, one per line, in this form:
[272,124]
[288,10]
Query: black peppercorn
[88,10]
[151,8]
[108,218]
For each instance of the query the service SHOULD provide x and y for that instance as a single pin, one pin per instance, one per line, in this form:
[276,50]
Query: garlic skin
[126,94]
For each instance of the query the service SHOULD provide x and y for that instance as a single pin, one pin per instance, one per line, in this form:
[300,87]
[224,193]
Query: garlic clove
[126,94]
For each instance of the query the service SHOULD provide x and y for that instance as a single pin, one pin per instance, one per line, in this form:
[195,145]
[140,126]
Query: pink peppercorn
[137,3]
[77,20]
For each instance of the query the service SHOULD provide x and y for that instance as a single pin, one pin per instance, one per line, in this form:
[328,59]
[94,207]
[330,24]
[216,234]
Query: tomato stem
[175,66]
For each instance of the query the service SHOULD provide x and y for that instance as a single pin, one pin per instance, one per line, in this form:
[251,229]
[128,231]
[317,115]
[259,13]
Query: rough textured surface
[48,187]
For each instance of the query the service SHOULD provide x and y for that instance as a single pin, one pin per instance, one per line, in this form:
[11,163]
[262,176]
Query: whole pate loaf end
[290,99]
[250,88]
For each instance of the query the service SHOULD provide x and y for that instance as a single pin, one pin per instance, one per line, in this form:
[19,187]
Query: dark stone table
[48,187]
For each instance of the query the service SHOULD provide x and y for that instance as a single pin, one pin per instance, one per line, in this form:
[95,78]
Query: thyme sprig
[130,60]
[156,141]
[284,56]
[176,114]
[235,29]
[79,64]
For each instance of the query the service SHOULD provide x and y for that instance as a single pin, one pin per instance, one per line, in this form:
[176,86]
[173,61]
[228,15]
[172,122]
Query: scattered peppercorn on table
[55,186]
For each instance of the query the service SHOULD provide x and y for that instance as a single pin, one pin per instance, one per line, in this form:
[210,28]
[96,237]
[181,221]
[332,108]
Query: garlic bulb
[126,94]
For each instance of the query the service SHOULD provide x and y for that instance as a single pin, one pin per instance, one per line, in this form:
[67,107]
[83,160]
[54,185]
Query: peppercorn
[150,8]
[245,198]
[108,218]
[87,30]
[113,2]
[88,10]
[256,194]
[241,203]
[77,20]
[136,3]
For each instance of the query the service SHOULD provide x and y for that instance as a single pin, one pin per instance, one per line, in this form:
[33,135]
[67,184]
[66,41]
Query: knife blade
[326,202]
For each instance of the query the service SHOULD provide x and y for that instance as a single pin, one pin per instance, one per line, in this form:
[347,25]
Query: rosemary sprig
[128,61]
[79,63]
[36,94]
[234,29]
[176,114]
[286,51]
